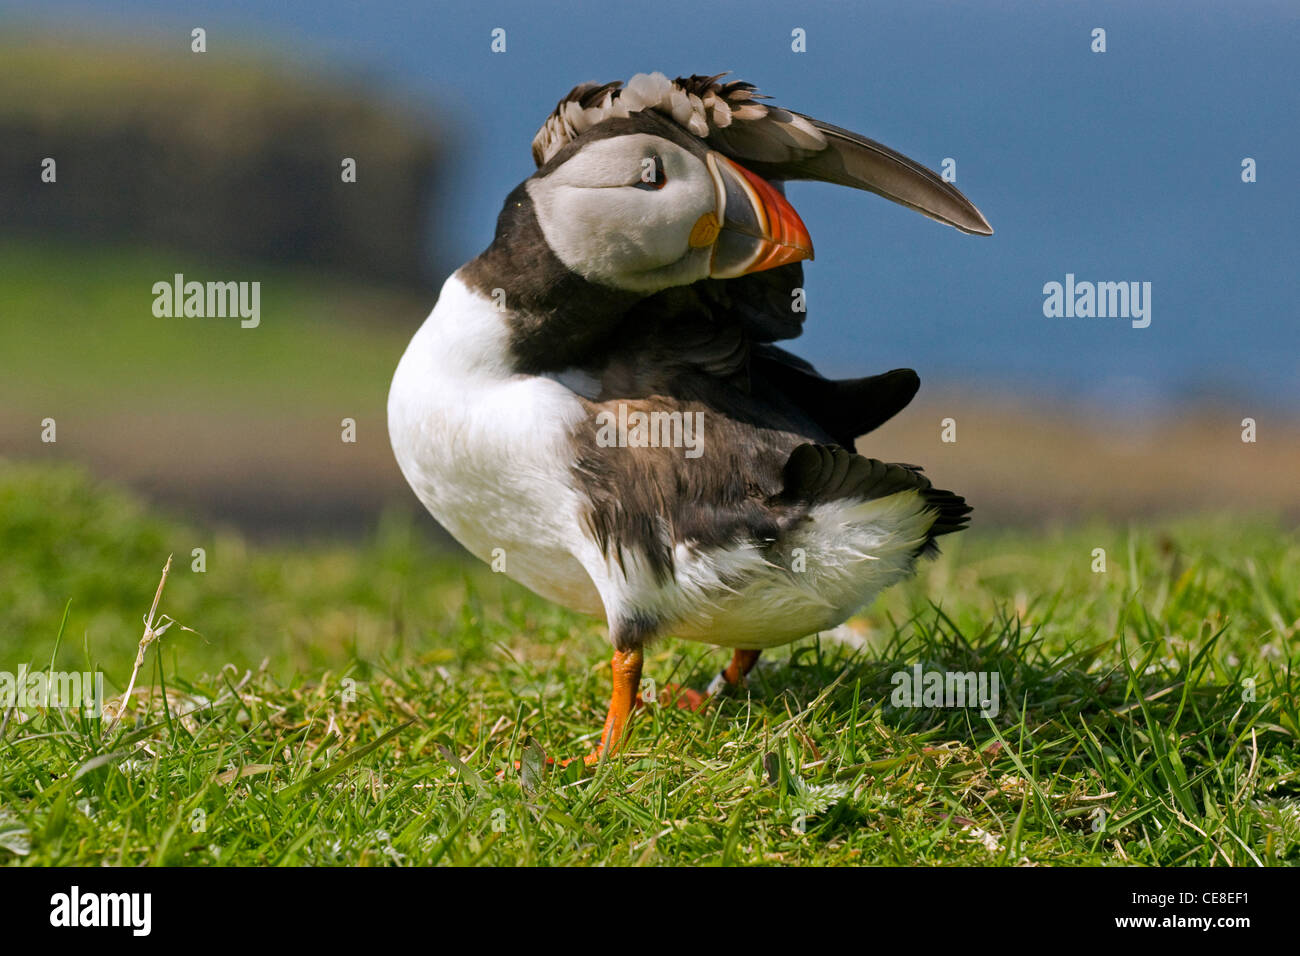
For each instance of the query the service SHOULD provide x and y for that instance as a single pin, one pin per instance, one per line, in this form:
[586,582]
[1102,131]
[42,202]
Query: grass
[365,704]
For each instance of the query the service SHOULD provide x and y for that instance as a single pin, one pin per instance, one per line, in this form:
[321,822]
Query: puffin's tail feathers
[816,474]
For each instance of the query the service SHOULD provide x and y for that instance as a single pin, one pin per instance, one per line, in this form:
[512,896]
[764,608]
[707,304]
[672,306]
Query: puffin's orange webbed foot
[733,675]
[683,698]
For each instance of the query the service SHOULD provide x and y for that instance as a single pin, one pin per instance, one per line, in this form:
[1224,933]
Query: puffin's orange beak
[753,227]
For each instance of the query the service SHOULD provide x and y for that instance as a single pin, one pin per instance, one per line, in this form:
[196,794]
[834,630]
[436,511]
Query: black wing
[712,342]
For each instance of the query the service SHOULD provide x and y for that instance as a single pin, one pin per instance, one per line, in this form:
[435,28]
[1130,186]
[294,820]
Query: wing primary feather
[853,160]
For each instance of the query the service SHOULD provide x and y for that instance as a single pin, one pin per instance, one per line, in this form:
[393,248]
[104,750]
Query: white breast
[486,450]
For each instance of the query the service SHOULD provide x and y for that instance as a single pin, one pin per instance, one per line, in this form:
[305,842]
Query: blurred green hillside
[238,424]
[220,168]
[80,330]
[228,156]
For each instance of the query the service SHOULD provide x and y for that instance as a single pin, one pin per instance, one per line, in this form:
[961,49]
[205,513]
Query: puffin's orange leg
[627,679]
[626,667]
[734,674]
[742,662]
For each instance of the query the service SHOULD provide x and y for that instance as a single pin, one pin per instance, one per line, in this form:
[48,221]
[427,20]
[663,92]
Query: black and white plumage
[647,266]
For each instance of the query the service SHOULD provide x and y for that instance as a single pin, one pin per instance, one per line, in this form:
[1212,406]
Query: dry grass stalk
[150,635]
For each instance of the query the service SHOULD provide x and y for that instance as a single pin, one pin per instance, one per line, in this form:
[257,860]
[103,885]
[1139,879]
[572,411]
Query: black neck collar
[557,318]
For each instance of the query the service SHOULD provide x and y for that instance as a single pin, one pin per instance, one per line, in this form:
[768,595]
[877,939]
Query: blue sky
[1122,166]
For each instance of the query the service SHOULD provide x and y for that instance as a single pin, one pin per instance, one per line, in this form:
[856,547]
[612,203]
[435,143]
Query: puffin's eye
[652,174]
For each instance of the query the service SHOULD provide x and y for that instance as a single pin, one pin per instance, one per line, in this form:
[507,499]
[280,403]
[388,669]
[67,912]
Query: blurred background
[225,165]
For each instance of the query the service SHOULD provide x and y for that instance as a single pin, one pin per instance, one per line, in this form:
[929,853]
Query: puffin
[598,407]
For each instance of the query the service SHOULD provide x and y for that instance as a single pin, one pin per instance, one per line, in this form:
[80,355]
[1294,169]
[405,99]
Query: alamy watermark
[208,300]
[947,689]
[638,429]
[1102,300]
[31,690]
[133,911]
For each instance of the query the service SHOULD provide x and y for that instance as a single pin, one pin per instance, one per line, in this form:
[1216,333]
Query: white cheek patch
[610,162]
[620,235]
[607,233]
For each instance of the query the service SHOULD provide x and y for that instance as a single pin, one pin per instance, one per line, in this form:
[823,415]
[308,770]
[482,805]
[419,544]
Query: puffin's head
[638,204]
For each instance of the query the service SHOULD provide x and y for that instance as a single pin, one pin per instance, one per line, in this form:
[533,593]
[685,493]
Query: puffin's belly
[499,492]
[488,455]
